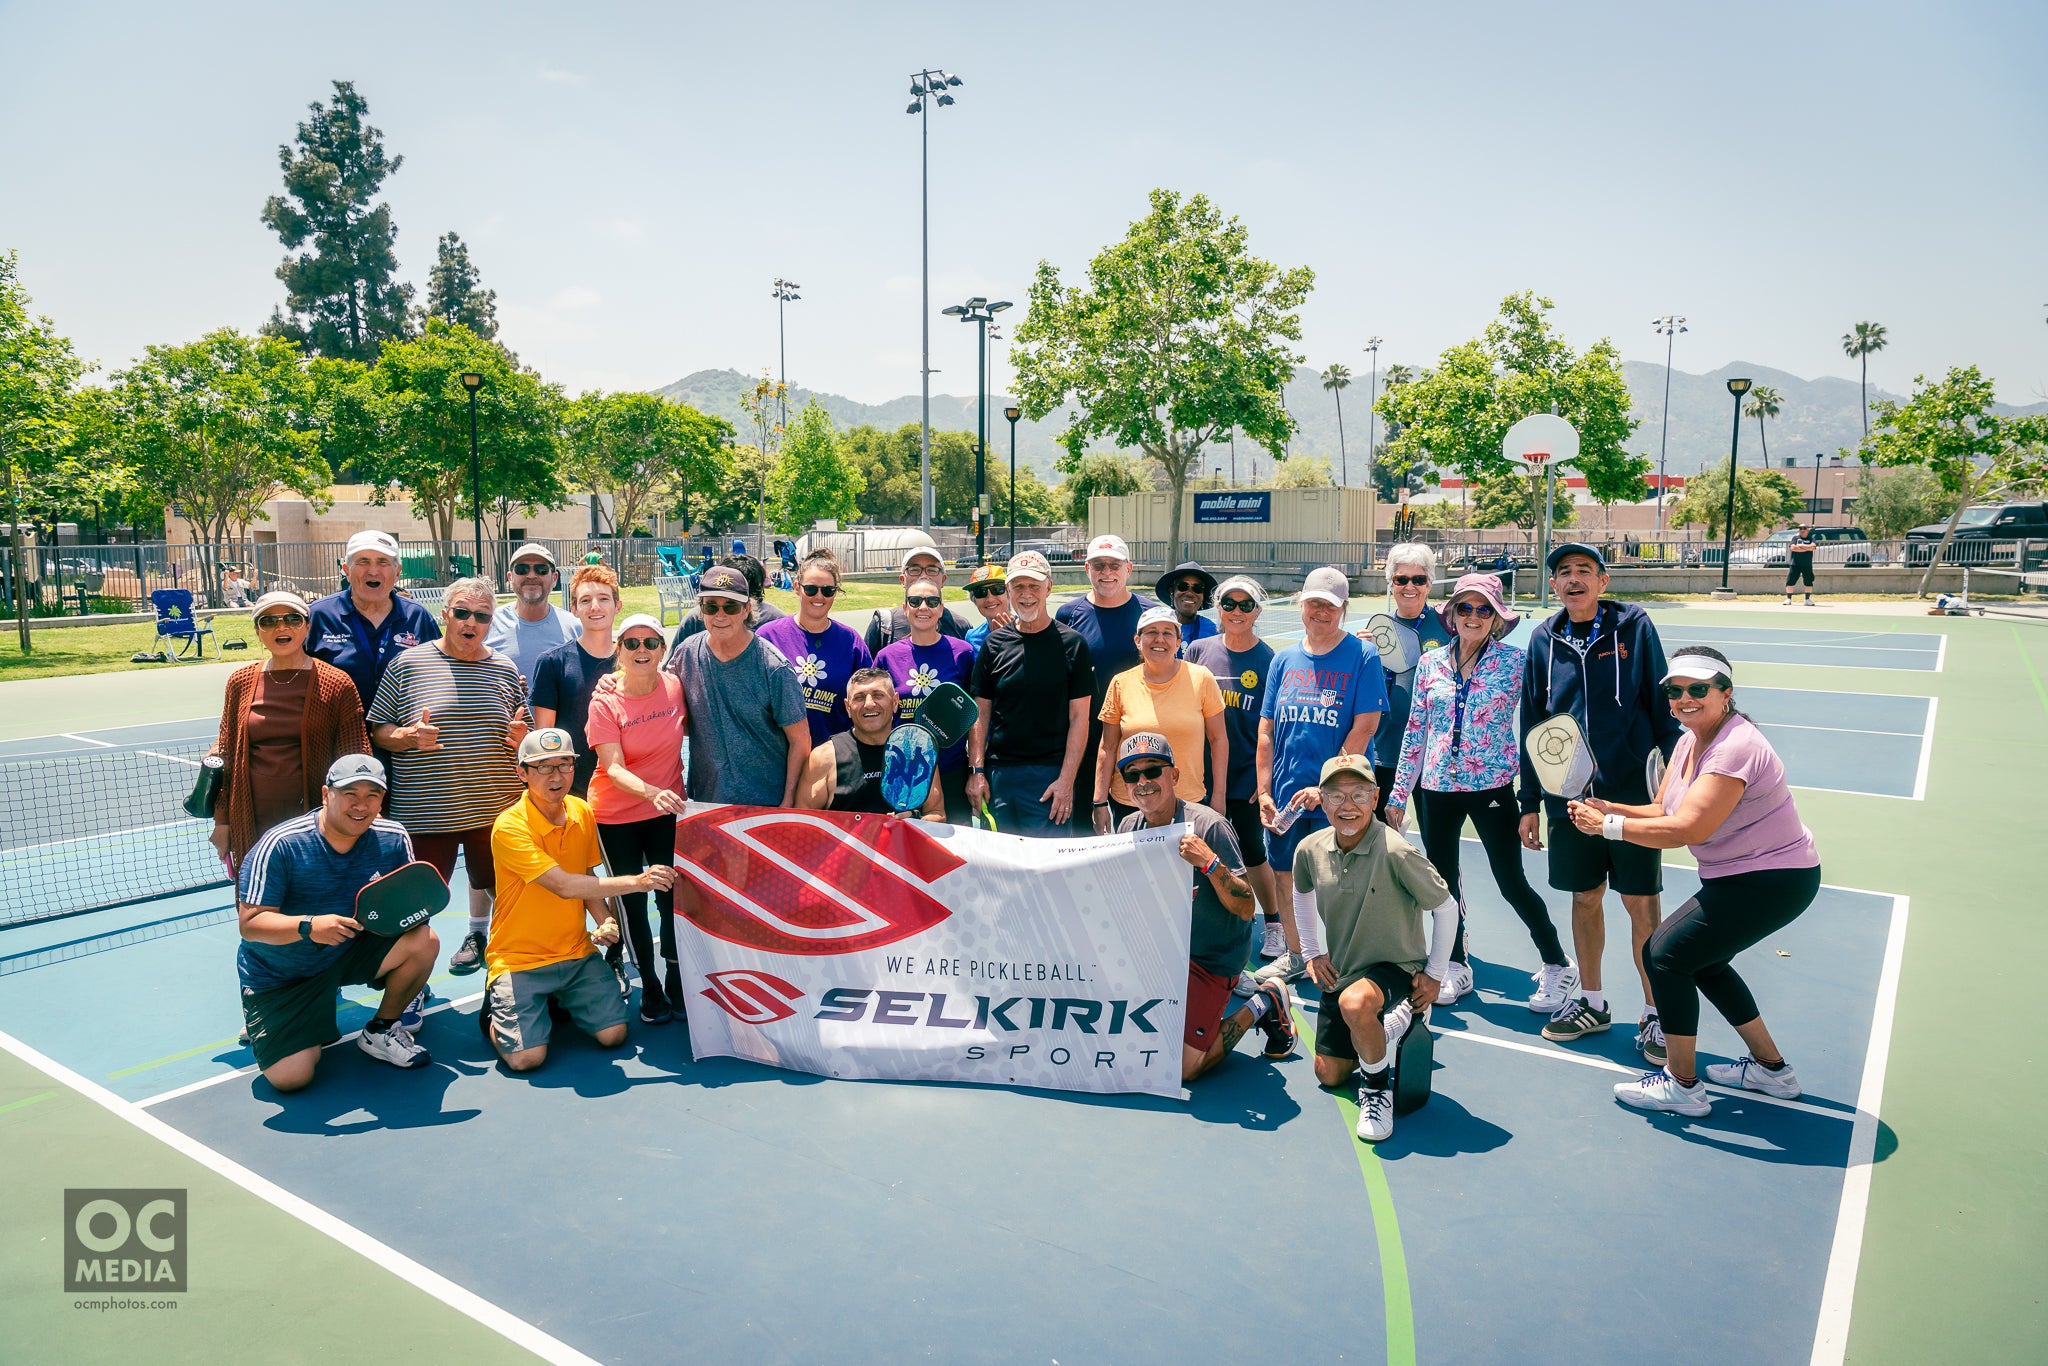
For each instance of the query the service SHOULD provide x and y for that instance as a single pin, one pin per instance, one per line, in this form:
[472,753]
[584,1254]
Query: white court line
[82,739]
[456,1297]
[172,757]
[1811,645]
[1926,753]
[1941,655]
[1699,629]
[1843,730]
[1838,1294]
[9,854]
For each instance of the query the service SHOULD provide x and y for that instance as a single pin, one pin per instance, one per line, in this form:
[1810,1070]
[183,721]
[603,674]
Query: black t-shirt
[564,678]
[1029,677]
[1218,941]
[857,774]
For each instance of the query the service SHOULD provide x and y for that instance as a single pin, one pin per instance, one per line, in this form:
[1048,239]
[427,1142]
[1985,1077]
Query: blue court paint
[1885,650]
[1835,741]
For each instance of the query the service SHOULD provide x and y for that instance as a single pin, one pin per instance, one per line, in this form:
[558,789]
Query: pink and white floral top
[1462,738]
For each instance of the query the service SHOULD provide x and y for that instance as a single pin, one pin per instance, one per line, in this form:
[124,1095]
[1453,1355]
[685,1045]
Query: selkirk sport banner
[854,945]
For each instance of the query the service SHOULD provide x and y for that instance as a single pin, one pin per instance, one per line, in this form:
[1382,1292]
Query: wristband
[1213,861]
[1100,805]
[976,768]
[1610,827]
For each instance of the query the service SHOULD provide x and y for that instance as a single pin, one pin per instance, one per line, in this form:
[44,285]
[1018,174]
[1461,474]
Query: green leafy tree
[740,497]
[1949,429]
[1098,475]
[1180,335]
[1614,476]
[1037,503]
[643,451]
[340,297]
[1889,503]
[1302,472]
[1763,498]
[813,479]
[1763,402]
[455,291]
[887,462]
[763,403]
[1336,379]
[218,427]
[1857,344]
[1511,499]
[38,371]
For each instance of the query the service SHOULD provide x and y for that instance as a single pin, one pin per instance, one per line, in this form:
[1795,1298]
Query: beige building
[1237,515]
[295,521]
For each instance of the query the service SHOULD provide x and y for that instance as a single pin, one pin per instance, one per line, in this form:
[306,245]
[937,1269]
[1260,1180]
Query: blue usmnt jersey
[1312,701]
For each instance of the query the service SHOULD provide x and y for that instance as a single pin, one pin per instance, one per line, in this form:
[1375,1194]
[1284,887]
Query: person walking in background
[1458,759]
[890,624]
[530,625]
[1107,619]
[366,625]
[1190,590]
[1801,563]
[824,652]
[1034,683]
[567,674]
[1164,695]
[990,593]
[918,665]
[748,726]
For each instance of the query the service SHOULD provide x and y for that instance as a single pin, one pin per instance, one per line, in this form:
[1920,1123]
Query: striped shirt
[469,778]
[295,870]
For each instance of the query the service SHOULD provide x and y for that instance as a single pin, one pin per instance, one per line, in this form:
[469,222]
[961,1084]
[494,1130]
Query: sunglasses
[1473,609]
[469,614]
[981,591]
[1674,691]
[1187,588]
[640,642]
[712,607]
[533,569]
[1146,774]
[1410,580]
[1237,604]
[821,590]
[920,600]
[265,622]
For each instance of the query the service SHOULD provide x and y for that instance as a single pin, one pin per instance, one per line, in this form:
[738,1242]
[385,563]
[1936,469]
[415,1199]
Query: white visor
[1700,667]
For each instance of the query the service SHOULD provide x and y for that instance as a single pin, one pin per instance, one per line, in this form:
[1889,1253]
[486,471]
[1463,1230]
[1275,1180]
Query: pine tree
[455,291]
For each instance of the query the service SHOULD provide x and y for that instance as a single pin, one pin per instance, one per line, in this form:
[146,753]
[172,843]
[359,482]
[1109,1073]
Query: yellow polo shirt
[531,927]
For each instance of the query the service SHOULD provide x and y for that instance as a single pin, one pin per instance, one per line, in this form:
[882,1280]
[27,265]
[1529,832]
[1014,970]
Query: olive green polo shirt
[1374,900]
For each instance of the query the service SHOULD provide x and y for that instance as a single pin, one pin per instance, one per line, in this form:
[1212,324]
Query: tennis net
[82,830]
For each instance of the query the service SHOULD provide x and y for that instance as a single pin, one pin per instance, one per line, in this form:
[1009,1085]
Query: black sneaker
[1576,1021]
[615,959]
[470,956]
[1277,1023]
[654,1010]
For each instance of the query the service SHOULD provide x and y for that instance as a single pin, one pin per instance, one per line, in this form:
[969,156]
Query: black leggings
[628,848]
[1493,815]
[1689,954]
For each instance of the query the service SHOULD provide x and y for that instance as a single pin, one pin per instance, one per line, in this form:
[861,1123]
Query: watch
[976,768]
[306,928]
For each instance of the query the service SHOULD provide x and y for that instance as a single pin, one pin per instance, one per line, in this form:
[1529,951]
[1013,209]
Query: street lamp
[1013,414]
[1737,387]
[1668,327]
[473,381]
[785,292]
[1813,513]
[1372,403]
[980,312]
[927,87]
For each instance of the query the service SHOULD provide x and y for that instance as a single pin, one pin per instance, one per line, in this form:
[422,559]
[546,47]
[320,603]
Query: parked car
[1831,545]
[1055,552]
[1984,535]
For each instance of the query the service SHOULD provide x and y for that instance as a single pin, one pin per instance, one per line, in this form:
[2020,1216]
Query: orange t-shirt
[531,927]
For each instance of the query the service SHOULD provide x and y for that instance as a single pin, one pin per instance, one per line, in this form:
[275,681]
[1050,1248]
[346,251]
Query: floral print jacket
[1489,750]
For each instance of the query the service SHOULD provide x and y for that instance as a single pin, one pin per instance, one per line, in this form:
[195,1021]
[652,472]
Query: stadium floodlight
[785,293]
[945,99]
[922,84]
[981,313]
[1668,327]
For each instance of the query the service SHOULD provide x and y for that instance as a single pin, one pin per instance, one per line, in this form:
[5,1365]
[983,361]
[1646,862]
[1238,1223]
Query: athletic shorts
[475,845]
[1800,568]
[1280,848]
[1580,862]
[285,1020]
[1243,815]
[1333,1036]
[1207,997]
[517,1002]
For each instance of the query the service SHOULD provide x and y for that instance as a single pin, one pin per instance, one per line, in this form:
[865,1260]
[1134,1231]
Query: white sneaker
[1457,982]
[1375,1113]
[1288,967]
[1275,943]
[1659,1090]
[1555,984]
[1748,1075]
[393,1045]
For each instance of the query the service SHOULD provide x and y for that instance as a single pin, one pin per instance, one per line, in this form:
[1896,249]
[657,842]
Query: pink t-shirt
[649,730]
[1763,831]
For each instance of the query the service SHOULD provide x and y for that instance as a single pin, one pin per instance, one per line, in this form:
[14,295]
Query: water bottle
[1289,814]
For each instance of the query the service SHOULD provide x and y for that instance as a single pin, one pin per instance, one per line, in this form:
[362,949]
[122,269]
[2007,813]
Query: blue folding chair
[175,620]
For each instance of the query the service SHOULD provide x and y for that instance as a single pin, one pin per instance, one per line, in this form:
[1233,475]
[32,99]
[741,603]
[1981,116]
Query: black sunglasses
[1189,586]
[712,607]
[533,569]
[469,614]
[982,590]
[920,600]
[640,642]
[1410,580]
[1135,774]
[1674,691]
[1237,605]
[265,622]
[821,590]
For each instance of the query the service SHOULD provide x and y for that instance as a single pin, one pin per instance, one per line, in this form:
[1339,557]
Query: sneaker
[654,1010]
[1659,1090]
[1650,1039]
[1396,1022]
[1576,1021]
[1288,967]
[1375,1113]
[1275,942]
[470,956]
[415,1013]
[1457,982]
[1749,1075]
[615,959]
[1555,983]
[393,1045]
[1278,1021]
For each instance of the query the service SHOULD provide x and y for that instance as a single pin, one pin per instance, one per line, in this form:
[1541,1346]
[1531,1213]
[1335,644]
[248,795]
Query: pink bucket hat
[1486,586]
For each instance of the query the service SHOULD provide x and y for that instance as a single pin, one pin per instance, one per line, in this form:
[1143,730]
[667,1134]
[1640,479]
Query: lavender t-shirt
[1763,831]
[823,664]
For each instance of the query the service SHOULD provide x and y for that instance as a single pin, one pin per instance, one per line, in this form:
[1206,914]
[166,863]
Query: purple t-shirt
[918,669]
[823,663]
[1763,831]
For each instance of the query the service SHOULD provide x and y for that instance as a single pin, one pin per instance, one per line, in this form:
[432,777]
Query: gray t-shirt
[1218,941]
[737,709]
[524,642]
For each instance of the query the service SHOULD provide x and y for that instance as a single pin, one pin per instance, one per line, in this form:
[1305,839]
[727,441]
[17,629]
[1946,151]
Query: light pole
[1737,387]
[1372,494]
[1013,414]
[980,312]
[473,381]
[785,292]
[925,87]
[1813,516]
[1668,327]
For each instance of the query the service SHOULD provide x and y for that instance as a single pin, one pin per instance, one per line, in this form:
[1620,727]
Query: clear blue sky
[631,178]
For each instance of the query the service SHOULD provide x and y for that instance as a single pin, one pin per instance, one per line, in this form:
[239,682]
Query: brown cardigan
[333,726]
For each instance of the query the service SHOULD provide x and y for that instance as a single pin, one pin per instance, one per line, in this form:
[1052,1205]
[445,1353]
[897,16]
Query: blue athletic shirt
[341,636]
[1312,701]
[295,870]
[1242,677]
[1112,636]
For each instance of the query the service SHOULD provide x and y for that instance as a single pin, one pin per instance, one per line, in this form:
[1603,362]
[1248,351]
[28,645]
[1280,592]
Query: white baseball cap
[383,542]
[1108,548]
[1327,584]
[637,619]
[1027,564]
[928,552]
[1159,616]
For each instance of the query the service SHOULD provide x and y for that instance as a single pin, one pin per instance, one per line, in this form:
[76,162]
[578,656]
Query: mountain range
[1814,416]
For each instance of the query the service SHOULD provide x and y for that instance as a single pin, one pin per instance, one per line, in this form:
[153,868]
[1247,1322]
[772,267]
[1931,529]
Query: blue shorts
[1280,848]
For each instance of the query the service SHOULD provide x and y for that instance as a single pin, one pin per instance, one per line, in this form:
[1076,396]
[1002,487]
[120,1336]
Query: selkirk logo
[808,883]
[751,997]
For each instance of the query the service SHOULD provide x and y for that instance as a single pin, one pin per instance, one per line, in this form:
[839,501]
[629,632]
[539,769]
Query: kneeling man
[846,775]
[301,942]
[1370,888]
[540,953]
[1219,940]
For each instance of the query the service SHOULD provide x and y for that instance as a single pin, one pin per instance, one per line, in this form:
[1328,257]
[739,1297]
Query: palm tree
[1858,345]
[1763,402]
[1337,379]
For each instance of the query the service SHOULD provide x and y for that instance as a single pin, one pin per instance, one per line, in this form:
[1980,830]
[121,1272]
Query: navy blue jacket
[342,637]
[1612,691]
